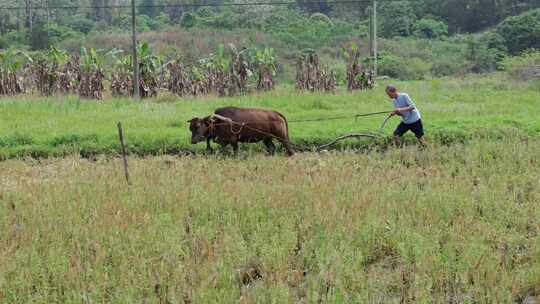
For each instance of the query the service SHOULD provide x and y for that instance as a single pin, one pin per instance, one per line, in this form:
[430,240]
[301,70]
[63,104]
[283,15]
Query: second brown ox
[232,125]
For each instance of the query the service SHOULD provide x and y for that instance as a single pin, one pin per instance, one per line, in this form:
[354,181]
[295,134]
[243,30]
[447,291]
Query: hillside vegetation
[418,38]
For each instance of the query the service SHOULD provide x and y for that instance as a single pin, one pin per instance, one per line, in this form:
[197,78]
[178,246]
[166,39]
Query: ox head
[200,129]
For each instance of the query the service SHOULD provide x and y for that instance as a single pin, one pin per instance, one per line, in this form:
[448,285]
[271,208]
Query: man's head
[200,129]
[391,91]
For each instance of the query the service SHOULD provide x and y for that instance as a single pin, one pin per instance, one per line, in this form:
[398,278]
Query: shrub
[59,33]
[302,32]
[430,28]
[148,8]
[320,18]
[39,38]
[188,20]
[80,24]
[205,12]
[225,20]
[161,21]
[483,58]
[43,36]
[494,40]
[16,38]
[448,66]
[396,18]
[401,68]
[526,66]
[144,23]
[448,57]
[521,32]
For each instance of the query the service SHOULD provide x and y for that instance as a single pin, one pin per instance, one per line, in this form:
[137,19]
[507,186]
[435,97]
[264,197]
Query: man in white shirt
[410,116]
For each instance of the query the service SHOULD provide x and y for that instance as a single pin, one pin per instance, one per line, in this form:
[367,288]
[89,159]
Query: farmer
[410,116]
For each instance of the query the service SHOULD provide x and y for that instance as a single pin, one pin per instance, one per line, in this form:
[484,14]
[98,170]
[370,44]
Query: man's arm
[403,110]
[399,111]
[410,106]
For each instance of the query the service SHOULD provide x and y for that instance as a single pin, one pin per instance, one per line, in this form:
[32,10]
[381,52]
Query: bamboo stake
[121,136]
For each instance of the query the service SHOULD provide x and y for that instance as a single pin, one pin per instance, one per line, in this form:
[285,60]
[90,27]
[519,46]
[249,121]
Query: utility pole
[29,14]
[374,43]
[18,20]
[370,46]
[48,20]
[135,61]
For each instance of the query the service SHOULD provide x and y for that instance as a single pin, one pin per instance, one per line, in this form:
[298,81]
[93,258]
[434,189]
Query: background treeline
[418,38]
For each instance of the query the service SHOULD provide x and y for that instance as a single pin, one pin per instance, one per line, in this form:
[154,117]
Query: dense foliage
[521,32]
[460,15]
[417,38]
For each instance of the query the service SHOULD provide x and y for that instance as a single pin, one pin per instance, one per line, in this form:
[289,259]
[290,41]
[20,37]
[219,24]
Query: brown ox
[231,125]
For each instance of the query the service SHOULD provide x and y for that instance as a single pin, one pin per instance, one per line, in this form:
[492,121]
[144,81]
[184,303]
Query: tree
[430,28]
[99,11]
[188,20]
[396,19]
[39,37]
[485,52]
[521,32]
[314,7]
[148,8]
[29,17]
[80,24]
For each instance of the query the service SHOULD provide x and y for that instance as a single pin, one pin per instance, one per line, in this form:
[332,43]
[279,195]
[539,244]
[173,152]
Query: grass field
[457,222]
[453,111]
[450,224]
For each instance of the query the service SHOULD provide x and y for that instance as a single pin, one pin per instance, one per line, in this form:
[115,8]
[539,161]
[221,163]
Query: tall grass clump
[523,67]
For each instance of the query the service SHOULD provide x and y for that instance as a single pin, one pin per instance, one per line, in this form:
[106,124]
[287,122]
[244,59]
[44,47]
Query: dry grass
[456,224]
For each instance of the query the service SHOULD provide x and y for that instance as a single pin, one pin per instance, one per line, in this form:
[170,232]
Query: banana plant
[356,75]
[220,60]
[266,65]
[47,70]
[312,76]
[178,81]
[121,77]
[11,64]
[150,67]
[92,74]
[56,56]
[151,71]
[241,69]
[219,70]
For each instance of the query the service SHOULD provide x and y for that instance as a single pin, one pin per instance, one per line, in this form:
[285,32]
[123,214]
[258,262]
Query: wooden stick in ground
[121,136]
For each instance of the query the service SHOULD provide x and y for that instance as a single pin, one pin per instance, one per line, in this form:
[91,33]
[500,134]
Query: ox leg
[235,148]
[288,149]
[224,148]
[270,148]
[209,149]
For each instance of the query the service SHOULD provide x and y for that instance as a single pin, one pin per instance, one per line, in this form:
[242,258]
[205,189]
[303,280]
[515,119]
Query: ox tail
[285,141]
[286,126]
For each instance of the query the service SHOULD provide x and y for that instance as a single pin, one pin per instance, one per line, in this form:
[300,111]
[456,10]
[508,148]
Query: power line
[195,5]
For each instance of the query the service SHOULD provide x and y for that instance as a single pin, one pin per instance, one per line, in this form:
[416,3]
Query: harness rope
[339,117]
[242,125]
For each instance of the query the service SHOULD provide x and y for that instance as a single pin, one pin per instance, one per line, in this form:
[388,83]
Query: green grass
[450,224]
[453,111]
